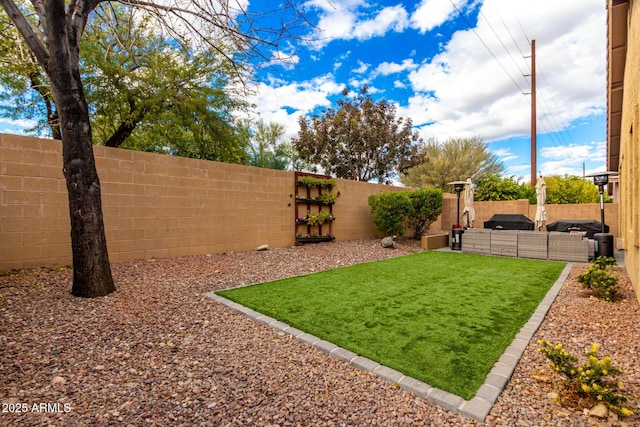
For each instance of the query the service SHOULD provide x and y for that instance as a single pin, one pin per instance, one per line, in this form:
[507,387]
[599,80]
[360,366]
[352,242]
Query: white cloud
[464,90]
[362,68]
[433,13]
[504,155]
[285,103]
[572,159]
[341,19]
[386,68]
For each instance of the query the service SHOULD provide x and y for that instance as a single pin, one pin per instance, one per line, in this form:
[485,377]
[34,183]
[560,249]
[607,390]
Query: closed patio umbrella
[541,211]
[468,214]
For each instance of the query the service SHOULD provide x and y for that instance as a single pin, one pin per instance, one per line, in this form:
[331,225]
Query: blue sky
[455,67]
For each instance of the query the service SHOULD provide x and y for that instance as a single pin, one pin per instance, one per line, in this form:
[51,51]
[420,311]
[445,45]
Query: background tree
[361,140]
[569,189]
[495,187]
[52,31]
[148,92]
[455,159]
[265,150]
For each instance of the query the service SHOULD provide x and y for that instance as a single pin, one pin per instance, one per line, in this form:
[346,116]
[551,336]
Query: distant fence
[159,206]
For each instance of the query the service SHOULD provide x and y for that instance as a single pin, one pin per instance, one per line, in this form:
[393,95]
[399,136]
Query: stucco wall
[630,150]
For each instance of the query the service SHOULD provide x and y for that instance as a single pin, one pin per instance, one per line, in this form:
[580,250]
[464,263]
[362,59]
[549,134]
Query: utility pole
[534,148]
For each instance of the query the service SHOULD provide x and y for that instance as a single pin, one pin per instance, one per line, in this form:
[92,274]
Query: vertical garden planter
[314,208]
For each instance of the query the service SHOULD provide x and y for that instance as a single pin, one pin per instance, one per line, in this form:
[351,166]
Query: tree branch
[33,37]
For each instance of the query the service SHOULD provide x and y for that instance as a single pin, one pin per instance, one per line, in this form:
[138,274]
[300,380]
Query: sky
[456,68]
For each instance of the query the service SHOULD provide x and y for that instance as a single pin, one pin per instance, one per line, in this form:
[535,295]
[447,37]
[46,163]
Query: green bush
[426,206]
[598,279]
[389,211]
[590,380]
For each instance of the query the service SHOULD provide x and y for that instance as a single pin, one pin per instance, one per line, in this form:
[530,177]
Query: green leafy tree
[150,93]
[361,140]
[426,206]
[52,31]
[266,151]
[26,93]
[570,189]
[145,91]
[494,188]
[455,159]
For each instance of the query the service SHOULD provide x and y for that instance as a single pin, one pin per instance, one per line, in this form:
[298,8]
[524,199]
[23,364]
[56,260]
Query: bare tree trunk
[91,268]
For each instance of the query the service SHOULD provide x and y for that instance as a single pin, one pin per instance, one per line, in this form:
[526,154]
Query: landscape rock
[599,411]
[389,242]
[262,248]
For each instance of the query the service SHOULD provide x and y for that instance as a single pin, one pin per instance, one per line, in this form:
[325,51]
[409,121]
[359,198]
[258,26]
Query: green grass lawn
[441,317]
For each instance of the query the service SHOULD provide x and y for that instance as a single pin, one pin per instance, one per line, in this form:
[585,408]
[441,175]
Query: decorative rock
[599,411]
[389,242]
[262,248]
[58,380]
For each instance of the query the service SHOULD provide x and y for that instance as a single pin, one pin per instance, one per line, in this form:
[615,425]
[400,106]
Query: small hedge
[415,210]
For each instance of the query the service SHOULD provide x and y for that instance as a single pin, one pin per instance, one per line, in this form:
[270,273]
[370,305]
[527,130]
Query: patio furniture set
[555,246]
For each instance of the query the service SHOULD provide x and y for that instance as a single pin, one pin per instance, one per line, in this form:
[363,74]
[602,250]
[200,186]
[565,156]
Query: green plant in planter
[318,218]
[310,181]
[327,197]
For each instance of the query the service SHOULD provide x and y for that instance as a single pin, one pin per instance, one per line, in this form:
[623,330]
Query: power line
[502,43]
[486,46]
[504,24]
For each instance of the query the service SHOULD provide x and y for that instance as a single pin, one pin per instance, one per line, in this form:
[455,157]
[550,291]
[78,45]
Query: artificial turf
[441,317]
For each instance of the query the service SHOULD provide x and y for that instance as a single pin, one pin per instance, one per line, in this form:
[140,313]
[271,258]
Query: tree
[266,152]
[52,31]
[145,90]
[150,93]
[570,189]
[361,140]
[495,187]
[455,159]
[26,91]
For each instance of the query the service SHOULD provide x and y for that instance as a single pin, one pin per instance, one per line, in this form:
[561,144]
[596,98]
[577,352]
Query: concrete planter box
[434,241]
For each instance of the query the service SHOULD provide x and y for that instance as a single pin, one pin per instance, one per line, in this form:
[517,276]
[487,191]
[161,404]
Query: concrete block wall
[159,206]
[156,205]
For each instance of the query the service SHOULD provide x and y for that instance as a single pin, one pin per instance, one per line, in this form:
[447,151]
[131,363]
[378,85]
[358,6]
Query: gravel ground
[158,352]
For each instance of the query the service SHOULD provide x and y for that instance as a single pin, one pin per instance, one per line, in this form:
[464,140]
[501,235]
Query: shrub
[426,206]
[591,379]
[390,211]
[598,279]
[604,262]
